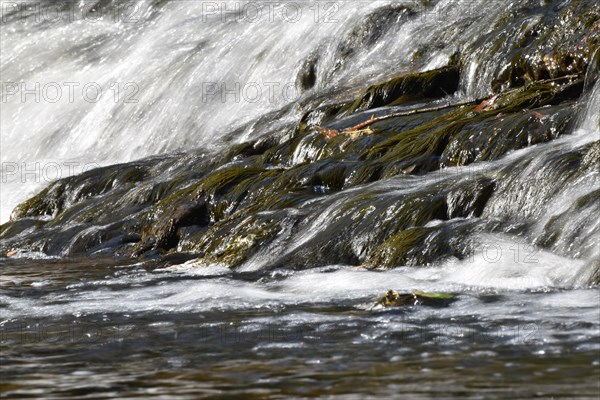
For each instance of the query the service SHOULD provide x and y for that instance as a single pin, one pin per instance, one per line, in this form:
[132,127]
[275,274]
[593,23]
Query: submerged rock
[416,298]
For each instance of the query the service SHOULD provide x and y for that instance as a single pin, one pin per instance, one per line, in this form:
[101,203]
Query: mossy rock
[399,249]
[231,207]
[233,241]
[467,200]
[542,51]
[451,138]
[14,228]
[412,87]
[47,203]
[416,298]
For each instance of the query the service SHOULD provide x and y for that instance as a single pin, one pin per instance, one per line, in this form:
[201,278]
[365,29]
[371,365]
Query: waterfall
[96,83]
[590,118]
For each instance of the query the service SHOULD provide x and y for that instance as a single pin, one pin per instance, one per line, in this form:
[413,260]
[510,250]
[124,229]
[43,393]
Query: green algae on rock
[415,298]
[372,195]
[412,87]
[212,214]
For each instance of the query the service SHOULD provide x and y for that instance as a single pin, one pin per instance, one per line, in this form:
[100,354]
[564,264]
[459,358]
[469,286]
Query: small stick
[334,132]
[483,102]
[329,133]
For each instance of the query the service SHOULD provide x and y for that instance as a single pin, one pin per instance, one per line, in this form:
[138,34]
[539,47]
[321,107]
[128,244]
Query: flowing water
[117,81]
[525,323]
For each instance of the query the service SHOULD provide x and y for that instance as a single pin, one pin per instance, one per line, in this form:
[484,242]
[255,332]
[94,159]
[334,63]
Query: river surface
[95,330]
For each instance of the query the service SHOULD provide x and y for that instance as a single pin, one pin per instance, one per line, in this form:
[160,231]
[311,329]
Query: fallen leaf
[483,106]
[329,133]
[539,116]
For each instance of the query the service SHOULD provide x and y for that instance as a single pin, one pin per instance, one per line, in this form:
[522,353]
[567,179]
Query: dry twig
[484,104]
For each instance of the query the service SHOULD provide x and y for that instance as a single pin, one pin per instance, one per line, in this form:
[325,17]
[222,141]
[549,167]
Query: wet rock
[544,51]
[307,75]
[406,88]
[416,298]
[467,201]
[369,31]
[297,199]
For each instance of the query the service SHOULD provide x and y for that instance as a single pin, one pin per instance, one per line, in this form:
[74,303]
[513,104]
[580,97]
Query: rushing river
[119,81]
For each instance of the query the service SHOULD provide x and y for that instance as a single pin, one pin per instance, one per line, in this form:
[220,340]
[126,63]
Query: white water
[157,67]
[590,121]
[160,292]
